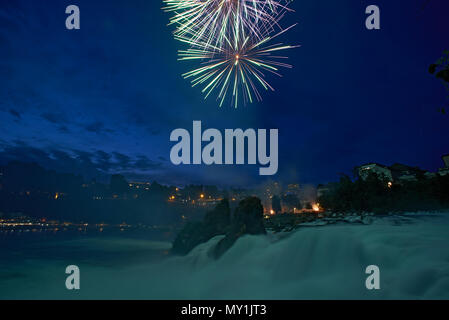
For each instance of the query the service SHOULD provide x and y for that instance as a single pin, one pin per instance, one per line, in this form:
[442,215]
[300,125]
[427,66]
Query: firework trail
[212,21]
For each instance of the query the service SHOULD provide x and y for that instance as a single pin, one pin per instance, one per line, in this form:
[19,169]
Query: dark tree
[118,184]
[441,71]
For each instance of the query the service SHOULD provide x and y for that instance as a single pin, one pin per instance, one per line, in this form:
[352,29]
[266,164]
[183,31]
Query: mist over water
[310,263]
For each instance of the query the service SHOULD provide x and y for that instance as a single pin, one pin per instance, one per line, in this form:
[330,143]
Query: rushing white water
[311,263]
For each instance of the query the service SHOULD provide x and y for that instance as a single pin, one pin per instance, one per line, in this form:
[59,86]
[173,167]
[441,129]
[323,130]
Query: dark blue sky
[106,97]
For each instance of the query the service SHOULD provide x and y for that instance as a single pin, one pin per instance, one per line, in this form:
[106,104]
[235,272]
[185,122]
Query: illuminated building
[444,171]
[140,185]
[379,169]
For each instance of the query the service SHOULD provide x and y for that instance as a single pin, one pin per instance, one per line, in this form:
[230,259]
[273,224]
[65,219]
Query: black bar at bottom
[211,309]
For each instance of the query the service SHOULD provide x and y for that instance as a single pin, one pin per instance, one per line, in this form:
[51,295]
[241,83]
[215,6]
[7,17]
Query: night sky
[105,98]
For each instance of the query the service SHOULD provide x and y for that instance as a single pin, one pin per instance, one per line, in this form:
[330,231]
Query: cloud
[143,163]
[122,161]
[15,113]
[55,118]
[96,127]
[63,129]
[97,164]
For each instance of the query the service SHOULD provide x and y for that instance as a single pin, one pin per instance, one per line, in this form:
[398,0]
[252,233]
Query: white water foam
[311,263]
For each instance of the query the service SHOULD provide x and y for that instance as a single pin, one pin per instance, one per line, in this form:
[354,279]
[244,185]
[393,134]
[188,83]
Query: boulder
[248,219]
[189,237]
[250,214]
[216,222]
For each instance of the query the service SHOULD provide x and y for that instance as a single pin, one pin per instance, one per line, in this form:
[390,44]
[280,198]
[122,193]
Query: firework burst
[211,22]
[236,70]
[232,40]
